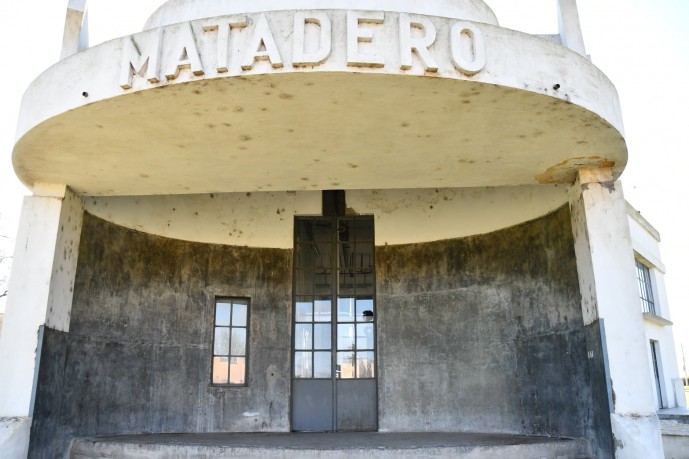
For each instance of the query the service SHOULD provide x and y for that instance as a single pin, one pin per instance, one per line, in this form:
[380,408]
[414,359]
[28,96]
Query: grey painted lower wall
[484,333]
[137,358]
[476,334]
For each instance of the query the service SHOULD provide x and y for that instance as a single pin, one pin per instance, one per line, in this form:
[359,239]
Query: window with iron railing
[643,276]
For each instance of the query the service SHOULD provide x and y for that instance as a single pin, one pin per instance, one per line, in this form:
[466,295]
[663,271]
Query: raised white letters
[135,62]
[185,48]
[300,56]
[468,48]
[261,45]
[237,42]
[357,34]
[420,45]
[223,43]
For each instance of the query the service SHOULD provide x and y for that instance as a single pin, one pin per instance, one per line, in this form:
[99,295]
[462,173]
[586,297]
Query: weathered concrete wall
[675,429]
[137,358]
[482,333]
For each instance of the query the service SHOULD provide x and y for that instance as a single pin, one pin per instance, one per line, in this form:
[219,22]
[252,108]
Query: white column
[76,35]
[40,294]
[608,285]
[569,26]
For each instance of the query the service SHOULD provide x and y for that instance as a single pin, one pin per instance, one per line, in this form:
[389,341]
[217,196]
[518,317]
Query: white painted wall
[14,437]
[570,27]
[646,245]
[607,282]
[266,219]
[185,10]
[41,285]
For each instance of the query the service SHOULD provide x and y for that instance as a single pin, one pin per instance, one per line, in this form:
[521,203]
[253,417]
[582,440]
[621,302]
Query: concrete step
[409,445]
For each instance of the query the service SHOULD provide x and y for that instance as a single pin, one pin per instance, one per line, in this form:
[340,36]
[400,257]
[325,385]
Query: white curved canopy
[174,11]
[393,101]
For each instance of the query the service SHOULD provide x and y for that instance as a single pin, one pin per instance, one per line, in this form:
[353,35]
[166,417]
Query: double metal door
[334,371]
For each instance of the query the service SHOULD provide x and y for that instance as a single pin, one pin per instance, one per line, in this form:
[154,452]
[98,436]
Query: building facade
[668,387]
[262,216]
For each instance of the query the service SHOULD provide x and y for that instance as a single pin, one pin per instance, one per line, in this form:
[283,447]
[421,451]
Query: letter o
[468,48]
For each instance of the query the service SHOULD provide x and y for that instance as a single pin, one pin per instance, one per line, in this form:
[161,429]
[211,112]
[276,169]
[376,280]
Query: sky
[641,45]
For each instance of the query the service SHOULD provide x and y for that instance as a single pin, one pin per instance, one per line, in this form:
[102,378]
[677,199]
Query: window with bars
[230,340]
[643,276]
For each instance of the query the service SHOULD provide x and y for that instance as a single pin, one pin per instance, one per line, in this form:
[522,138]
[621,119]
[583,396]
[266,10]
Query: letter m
[139,61]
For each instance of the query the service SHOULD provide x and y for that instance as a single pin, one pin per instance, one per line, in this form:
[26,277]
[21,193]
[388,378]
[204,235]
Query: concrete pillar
[607,281]
[40,295]
[569,26]
[76,34]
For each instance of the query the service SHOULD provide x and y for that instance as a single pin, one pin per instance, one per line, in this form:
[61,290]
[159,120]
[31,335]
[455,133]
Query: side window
[230,340]
[643,276]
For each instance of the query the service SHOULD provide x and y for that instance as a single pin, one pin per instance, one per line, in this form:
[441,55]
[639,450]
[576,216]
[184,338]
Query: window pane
[220,368]
[345,337]
[322,364]
[345,309]
[323,279]
[222,313]
[364,256]
[364,310]
[643,276]
[237,370]
[364,336]
[222,341]
[239,341]
[344,230]
[364,283]
[322,311]
[346,286]
[230,341]
[302,336]
[322,229]
[322,336]
[239,313]
[303,230]
[345,365]
[314,255]
[304,311]
[364,229]
[346,255]
[304,285]
[365,365]
[302,365]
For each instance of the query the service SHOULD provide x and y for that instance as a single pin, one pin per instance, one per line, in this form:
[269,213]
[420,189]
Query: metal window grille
[643,276]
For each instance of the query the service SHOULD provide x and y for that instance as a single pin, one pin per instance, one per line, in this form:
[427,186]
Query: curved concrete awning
[535,113]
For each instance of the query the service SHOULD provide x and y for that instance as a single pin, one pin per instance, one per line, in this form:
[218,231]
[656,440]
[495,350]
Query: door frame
[335,266]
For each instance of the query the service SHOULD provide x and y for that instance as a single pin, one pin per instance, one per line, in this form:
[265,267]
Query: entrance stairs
[398,445]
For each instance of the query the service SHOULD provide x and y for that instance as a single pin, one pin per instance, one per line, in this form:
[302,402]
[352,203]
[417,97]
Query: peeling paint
[566,171]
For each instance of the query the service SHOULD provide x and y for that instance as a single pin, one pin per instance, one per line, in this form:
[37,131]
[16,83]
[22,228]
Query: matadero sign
[321,40]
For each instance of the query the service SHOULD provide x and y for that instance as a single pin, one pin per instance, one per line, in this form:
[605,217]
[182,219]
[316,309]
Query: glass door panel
[334,339]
